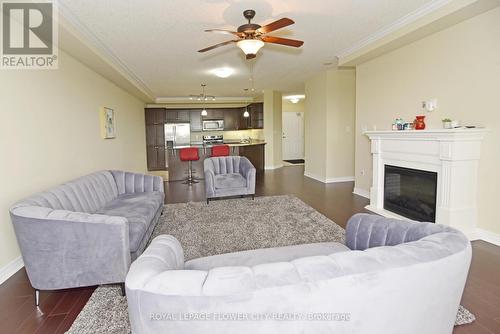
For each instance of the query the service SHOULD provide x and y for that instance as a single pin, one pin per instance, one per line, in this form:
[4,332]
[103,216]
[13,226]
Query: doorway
[293,137]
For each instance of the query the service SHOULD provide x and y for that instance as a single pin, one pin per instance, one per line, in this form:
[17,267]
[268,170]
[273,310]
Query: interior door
[293,135]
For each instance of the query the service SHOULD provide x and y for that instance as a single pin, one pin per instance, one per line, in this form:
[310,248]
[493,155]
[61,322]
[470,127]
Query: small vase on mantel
[419,123]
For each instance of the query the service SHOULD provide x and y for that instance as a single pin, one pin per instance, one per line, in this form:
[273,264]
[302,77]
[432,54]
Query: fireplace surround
[451,154]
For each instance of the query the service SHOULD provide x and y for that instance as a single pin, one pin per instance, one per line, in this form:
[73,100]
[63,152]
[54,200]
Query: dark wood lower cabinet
[156,159]
[254,153]
[177,169]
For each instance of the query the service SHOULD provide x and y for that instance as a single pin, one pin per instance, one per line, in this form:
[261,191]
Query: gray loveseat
[87,231]
[391,277]
[229,176]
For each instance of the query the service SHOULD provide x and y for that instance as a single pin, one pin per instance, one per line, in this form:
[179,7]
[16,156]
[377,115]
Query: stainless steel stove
[213,139]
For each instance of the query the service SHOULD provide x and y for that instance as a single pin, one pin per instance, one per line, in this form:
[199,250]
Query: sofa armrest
[63,249]
[209,182]
[163,254]
[248,171]
[367,230]
[129,183]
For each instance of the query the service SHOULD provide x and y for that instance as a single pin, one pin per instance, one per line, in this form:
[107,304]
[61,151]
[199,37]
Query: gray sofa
[391,277]
[229,176]
[87,231]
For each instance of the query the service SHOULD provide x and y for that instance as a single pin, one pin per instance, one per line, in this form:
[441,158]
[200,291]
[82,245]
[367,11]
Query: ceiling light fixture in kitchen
[223,72]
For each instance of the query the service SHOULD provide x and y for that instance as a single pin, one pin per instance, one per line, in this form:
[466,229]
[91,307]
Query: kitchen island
[251,149]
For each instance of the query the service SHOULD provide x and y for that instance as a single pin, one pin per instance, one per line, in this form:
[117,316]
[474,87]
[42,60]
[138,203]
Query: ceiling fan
[252,37]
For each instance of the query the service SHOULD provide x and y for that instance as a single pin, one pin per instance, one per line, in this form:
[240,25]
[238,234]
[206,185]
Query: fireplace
[453,154]
[410,192]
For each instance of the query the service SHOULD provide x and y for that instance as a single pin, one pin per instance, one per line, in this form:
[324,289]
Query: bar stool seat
[189,154]
[220,151]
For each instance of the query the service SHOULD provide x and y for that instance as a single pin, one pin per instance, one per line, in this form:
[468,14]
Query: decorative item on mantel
[399,124]
[419,122]
[447,123]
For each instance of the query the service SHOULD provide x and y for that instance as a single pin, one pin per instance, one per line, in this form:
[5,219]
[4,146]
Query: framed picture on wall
[108,125]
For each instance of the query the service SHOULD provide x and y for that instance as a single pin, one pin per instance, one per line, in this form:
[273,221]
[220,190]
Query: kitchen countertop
[232,143]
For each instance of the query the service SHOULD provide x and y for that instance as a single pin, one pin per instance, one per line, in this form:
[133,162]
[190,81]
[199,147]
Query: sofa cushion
[265,255]
[139,209]
[233,180]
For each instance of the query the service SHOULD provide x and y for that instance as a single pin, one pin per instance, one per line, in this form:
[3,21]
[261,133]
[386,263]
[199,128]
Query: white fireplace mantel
[453,154]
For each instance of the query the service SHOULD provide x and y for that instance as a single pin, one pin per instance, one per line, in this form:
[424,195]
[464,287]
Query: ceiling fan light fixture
[250,46]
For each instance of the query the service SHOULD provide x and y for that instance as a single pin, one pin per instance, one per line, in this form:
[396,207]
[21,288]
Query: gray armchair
[229,176]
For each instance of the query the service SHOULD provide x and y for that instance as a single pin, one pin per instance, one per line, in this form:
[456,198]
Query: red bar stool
[220,150]
[189,154]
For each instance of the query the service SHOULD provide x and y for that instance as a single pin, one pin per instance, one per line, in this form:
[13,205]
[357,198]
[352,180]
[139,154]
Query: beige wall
[294,107]
[329,123]
[315,125]
[460,66]
[273,128]
[50,133]
[340,123]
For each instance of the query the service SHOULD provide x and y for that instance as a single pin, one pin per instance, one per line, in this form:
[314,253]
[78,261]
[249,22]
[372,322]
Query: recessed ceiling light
[223,72]
[294,98]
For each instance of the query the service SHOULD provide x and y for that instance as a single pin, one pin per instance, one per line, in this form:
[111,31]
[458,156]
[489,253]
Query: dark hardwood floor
[59,309]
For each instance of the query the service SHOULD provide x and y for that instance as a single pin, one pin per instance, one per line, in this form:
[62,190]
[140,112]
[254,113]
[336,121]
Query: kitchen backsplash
[241,134]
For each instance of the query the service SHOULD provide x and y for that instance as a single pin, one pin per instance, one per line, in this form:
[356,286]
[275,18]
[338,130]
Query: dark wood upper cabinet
[256,111]
[243,121]
[195,120]
[232,119]
[154,115]
[214,114]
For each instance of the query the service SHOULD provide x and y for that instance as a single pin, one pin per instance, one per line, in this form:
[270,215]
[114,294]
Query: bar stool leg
[190,179]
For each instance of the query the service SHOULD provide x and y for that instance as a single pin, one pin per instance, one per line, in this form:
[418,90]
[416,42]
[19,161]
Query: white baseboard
[10,269]
[487,236]
[271,167]
[330,179]
[361,192]
[339,179]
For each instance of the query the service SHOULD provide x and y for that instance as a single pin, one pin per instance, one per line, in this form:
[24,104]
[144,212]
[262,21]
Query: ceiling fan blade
[283,41]
[281,23]
[217,45]
[227,32]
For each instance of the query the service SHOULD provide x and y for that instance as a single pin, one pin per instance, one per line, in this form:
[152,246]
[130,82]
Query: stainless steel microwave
[213,125]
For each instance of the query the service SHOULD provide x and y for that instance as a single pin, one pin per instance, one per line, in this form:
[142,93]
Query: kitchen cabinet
[243,122]
[214,114]
[232,119]
[195,120]
[177,115]
[254,153]
[256,111]
[155,138]
[154,115]
[155,146]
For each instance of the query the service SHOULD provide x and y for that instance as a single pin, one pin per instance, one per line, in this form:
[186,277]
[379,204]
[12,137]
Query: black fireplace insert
[410,193]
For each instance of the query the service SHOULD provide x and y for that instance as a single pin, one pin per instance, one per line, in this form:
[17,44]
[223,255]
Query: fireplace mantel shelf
[433,133]
[451,153]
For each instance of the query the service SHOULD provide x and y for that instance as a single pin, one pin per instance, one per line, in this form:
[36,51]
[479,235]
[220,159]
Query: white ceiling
[156,41]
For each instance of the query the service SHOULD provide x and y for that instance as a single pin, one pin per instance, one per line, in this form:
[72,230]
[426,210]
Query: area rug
[221,227]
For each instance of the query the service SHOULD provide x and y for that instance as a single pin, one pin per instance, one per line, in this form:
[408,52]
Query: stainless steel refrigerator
[177,135]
